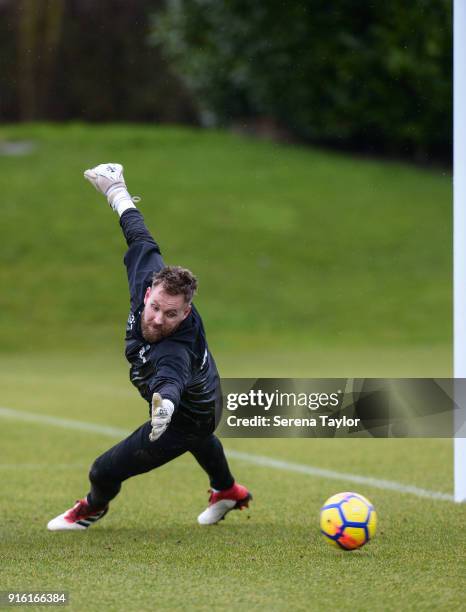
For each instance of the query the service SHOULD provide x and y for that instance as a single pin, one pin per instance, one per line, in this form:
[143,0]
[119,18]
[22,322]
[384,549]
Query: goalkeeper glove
[161,413]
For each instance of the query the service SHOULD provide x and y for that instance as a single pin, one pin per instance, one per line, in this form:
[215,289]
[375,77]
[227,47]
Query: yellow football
[348,520]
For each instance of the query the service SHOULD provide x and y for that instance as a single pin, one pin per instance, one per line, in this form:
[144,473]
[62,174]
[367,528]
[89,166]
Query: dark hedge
[371,76]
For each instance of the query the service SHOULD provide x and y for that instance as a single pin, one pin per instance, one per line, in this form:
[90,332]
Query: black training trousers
[137,454]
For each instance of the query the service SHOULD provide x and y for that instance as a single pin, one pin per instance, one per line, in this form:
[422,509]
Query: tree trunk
[52,29]
[40,26]
[28,16]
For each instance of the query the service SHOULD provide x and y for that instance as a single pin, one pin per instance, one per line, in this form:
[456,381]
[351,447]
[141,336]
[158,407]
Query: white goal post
[459,237]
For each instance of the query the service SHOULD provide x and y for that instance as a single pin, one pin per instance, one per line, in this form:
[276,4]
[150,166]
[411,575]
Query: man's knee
[104,485]
[99,474]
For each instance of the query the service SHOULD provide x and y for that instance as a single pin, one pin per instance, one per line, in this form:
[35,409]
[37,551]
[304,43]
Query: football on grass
[348,520]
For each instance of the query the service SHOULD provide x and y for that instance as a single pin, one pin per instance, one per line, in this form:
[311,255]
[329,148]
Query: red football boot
[221,502]
[80,516]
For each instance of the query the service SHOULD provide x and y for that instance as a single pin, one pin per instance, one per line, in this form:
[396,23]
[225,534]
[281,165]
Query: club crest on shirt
[142,352]
[130,322]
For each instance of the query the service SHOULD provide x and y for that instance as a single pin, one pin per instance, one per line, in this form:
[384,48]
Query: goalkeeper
[172,368]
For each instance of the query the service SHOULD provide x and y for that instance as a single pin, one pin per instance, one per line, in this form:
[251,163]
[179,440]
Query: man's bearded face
[162,313]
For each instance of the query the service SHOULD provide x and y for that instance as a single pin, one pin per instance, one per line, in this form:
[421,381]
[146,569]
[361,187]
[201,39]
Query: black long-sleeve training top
[179,366]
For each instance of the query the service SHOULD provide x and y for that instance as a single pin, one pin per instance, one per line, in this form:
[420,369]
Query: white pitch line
[277,464]
[289,466]
[33,417]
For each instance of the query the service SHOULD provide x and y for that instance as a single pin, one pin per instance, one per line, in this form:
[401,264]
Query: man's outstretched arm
[143,257]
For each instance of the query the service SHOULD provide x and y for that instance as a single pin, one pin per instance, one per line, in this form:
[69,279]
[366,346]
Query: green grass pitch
[310,264]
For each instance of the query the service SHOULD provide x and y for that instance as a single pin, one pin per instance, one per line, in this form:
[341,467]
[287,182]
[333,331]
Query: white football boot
[80,516]
[109,180]
[236,497]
